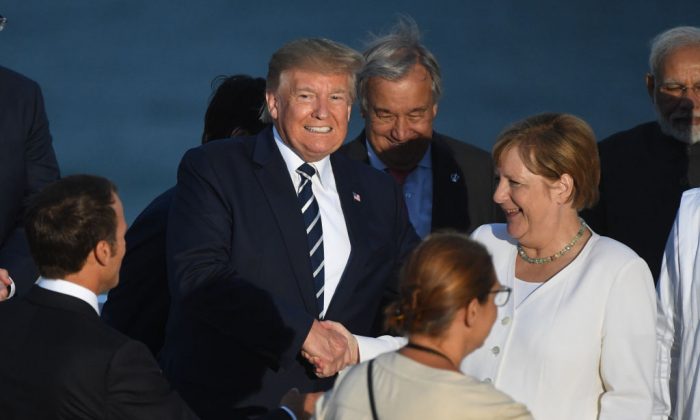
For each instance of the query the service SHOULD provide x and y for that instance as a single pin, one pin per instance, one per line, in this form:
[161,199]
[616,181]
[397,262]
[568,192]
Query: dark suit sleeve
[41,169]
[137,389]
[204,283]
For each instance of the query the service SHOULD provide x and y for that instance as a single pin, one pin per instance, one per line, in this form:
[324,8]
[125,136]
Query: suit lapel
[350,193]
[277,186]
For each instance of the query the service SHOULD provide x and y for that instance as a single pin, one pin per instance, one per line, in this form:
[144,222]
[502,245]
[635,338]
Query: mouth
[511,212]
[318,130]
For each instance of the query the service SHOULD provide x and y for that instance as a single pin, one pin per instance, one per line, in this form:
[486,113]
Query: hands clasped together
[330,347]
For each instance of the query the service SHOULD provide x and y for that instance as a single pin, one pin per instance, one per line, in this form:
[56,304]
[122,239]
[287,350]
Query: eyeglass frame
[499,292]
[679,90]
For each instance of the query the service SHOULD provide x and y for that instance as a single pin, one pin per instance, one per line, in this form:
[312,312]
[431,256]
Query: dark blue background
[126,82]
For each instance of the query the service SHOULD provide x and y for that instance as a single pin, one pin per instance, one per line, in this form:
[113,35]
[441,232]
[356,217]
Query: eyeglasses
[679,90]
[501,295]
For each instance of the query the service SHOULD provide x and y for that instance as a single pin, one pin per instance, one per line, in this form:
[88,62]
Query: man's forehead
[307,77]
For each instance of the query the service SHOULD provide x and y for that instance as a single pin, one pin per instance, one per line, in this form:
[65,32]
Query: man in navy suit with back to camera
[59,360]
[269,236]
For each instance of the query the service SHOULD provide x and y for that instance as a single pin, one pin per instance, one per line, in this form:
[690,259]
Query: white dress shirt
[69,288]
[336,242]
[679,329]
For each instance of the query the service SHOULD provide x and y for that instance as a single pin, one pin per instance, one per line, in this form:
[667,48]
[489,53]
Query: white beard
[686,134]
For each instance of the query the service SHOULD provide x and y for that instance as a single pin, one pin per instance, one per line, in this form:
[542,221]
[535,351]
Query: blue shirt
[417,190]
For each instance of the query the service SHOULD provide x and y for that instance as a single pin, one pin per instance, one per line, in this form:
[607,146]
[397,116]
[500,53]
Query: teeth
[321,130]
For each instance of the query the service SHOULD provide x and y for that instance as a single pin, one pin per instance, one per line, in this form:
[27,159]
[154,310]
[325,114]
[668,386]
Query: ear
[349,111]
[563,189]
[651,83]
[103,253]
[471,314]
[435,108]
[272,104]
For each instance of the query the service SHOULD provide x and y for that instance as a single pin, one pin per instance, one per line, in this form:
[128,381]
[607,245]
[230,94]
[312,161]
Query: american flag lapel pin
[454,177]
[356,197]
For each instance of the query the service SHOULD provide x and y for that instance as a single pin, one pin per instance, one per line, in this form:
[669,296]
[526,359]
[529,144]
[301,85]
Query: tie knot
[306,170]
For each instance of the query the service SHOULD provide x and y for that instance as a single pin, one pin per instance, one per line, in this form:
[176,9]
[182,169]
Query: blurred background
[126,83]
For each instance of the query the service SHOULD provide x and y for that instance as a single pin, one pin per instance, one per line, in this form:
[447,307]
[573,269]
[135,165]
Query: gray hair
[393,55]
[664,43]
[316,54]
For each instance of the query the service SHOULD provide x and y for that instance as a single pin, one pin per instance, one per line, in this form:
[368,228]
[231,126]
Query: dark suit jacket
[138,306]
[643,175]
[463,182]
[61,362]
[27,163]
[240,278]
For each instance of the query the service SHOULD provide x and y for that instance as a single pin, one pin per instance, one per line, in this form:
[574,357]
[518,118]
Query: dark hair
[66,220]
[236,104]
[551,145]
[443,274]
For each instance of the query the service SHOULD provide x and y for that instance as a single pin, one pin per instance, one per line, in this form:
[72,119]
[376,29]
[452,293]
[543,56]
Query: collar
[71,289]
[426,162]
[293,161]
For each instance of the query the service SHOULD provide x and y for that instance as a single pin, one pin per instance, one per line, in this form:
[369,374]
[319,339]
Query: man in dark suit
[60,360]
[139,305]
[446,183]
[270,234]
[644,170]
[27,164]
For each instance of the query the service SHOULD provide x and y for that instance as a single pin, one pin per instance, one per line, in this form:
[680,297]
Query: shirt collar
[69,288]
[293,161]
[425,162]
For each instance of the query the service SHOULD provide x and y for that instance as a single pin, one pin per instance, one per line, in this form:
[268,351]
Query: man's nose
[321,108]
[401,130]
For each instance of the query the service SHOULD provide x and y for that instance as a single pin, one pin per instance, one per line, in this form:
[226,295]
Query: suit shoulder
[625,138]
[460,147]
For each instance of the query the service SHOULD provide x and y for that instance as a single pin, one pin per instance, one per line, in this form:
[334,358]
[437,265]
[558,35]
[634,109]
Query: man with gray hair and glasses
[644,170]
[446,183]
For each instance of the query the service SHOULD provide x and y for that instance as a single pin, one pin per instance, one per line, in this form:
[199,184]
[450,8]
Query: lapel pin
[356,197]
[454,177]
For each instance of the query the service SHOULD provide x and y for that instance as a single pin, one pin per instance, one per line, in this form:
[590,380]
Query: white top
[679,294]
[336,242]
[406,389]
[581,346]
[71,289]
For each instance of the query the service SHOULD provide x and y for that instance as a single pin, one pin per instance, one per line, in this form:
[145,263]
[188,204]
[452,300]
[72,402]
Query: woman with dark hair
[447,305]
[577,341]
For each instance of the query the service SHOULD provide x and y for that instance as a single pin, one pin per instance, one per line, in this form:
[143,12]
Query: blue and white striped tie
[314,230]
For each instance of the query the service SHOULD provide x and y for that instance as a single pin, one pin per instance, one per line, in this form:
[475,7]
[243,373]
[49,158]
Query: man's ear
[651,84]
[102,252]
[271,100]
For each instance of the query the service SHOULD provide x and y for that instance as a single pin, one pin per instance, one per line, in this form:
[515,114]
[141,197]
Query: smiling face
[527,199]
[678,113]
[399,118]
[311,111]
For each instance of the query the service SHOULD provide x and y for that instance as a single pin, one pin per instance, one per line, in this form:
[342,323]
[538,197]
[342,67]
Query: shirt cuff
[371,347]
[12,288]
[290,412]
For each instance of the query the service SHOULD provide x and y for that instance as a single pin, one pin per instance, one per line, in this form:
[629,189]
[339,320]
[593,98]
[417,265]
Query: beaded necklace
[559,253]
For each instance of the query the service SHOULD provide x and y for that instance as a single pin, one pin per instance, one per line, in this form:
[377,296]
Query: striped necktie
[314,230]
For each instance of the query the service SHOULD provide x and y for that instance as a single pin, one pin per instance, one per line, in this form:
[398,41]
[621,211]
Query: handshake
[330,347]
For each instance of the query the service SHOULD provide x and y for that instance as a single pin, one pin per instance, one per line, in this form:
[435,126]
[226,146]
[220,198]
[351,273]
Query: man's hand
[5,282]
[326,349]
[352,341]
[302,405]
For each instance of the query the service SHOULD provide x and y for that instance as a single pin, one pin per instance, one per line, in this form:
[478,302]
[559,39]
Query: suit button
[495,350]
[505,321]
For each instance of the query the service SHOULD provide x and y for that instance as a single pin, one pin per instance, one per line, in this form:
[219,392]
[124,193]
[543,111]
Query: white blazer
[581,346]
